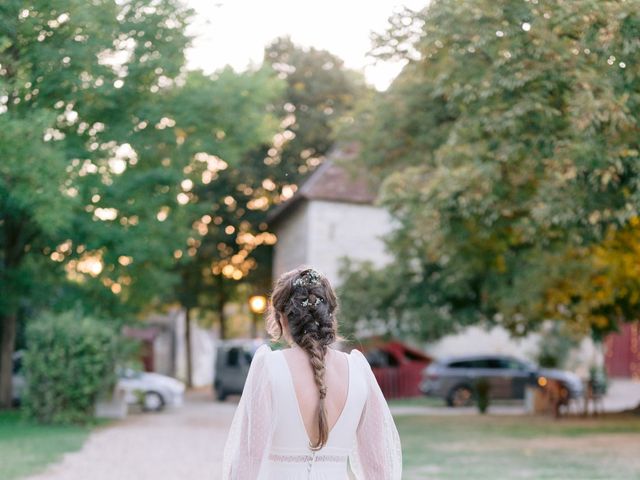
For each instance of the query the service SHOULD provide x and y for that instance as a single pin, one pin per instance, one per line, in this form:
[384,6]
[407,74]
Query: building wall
[291,248]
[203,351]
[163,352]
[338,230]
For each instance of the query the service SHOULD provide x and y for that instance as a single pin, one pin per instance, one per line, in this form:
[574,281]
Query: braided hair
[307,300]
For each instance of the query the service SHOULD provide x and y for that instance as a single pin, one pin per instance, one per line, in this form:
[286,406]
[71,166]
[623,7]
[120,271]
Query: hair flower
[308,278]
[306,302]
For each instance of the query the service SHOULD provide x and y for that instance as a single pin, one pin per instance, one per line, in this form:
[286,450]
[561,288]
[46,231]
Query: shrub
[555,345]
[69,362]
[482,388]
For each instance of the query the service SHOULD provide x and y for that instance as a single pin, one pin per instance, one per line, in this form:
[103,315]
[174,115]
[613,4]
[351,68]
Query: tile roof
[334,180]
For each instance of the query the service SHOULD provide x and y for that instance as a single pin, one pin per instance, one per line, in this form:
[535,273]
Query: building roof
[332,181]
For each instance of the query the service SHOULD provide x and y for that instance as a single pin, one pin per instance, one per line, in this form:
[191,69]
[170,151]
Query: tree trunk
[223,320]
[7,344]
[187,343]
[222,300]
[254,325]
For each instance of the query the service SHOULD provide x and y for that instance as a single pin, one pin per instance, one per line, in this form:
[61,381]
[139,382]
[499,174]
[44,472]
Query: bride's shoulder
[262,349]
[262,353]
[358,357]
[361,364]
[356,353]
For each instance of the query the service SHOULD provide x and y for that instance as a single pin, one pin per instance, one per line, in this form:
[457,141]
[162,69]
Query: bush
[555,345]
[482,388]
[69,362]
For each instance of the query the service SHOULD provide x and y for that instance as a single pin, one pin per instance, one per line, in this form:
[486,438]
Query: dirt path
[185,443]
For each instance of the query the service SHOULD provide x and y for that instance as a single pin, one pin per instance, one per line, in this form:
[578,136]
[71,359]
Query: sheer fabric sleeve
[377,454]
[250,434]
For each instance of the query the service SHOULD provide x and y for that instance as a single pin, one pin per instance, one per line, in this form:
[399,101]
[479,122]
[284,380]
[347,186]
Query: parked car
[396,366]
[233,358]
[152,391]
[453,378]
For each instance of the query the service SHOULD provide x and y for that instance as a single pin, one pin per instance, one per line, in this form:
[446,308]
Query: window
[17,365]
[380,358]
[515,364]
[233,357]
[413,357]
[479,363]
[460,364]
[498,363]
[482,363]
[507,363]
[130,373]
[247,357]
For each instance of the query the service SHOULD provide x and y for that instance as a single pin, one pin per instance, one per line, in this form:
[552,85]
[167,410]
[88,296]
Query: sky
[235,32]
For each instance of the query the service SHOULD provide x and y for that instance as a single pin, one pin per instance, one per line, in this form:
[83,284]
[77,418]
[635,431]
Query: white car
[152,391]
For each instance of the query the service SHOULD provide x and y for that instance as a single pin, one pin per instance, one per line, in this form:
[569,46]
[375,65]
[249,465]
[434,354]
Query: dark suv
[453,378]
[233,359]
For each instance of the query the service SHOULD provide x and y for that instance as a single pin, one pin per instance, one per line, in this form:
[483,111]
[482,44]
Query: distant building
[333,216]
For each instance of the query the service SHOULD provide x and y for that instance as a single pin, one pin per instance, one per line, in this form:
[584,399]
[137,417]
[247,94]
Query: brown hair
[305,297]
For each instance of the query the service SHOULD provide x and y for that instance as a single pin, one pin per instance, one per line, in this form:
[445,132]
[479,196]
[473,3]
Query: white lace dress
[268,439]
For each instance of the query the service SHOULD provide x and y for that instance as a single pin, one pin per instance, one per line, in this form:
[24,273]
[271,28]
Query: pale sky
[235,32]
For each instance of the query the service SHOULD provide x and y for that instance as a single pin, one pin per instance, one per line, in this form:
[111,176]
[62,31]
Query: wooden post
[187,343]
[7,345]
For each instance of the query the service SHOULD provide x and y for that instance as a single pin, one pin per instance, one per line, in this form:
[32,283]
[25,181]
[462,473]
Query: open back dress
[268,439]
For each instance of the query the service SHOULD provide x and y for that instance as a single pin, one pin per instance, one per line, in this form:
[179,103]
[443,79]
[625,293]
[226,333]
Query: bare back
[336,379]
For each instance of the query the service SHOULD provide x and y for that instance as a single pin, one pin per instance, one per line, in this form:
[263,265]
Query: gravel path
[180,444]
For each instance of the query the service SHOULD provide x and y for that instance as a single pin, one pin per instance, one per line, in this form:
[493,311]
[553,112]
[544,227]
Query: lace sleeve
[249,437]
[377,454]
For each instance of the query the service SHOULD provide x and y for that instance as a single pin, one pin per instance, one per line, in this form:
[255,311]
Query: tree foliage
[81,80]
[321,94]
[225,189]
[309,91]
[105,142]
[510,146]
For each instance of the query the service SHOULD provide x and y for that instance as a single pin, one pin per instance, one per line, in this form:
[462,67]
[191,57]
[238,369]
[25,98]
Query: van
[232,362]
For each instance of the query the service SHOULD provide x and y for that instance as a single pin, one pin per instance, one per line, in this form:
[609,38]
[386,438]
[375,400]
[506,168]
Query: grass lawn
[26,447]
[520,447]
[417,402]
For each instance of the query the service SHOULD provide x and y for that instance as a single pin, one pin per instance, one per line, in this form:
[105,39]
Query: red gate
[622,351]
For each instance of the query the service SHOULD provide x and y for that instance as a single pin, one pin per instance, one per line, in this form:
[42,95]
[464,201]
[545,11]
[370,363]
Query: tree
[73,79]
[511,147]
[231,245]
[313,91]
[321,94]
[220,119]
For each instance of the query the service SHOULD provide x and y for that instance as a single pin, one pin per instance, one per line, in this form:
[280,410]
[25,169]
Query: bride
[309,410]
